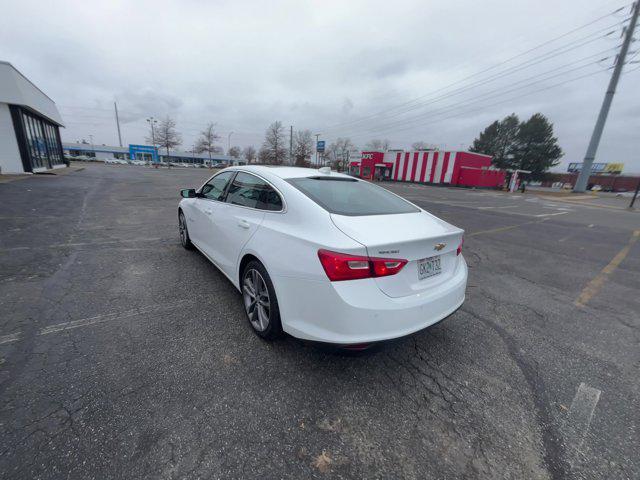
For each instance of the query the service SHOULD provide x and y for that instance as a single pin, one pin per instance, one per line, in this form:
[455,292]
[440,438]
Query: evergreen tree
[487,142]
[526,145]
[536,148]
[506,141]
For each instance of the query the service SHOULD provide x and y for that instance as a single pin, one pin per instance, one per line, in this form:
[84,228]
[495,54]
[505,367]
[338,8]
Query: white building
[29,125]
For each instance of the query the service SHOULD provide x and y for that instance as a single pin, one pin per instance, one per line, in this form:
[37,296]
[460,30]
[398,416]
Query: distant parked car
[324,256]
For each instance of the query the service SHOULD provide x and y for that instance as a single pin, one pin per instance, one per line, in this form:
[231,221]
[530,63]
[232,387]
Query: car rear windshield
[346,196]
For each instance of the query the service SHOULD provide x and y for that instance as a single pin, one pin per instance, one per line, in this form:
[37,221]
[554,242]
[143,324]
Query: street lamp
[229,142]
[152,121]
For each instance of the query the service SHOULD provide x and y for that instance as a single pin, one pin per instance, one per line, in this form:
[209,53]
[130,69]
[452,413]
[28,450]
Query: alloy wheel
[256,299]
[182,227]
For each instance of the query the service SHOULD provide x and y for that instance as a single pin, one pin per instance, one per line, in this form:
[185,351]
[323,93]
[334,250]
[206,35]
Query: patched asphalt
[123,355]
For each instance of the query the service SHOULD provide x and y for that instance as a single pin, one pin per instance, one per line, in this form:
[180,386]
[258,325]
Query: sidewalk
[6,178]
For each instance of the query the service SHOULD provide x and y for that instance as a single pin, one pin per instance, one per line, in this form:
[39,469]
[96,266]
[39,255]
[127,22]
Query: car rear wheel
[260,302]
[184,232]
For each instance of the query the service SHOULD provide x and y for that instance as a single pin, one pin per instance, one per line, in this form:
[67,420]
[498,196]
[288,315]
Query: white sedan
[325,256]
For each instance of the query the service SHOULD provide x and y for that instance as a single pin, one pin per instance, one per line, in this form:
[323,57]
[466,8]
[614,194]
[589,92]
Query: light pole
[229,142]
[93,149]
[152,121]
[317,137]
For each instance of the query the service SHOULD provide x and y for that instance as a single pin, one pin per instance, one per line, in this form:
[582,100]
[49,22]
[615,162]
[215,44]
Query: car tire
[185,240]
[260,301]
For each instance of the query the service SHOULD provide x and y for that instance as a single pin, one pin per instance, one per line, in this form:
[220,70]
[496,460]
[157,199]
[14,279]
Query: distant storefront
[433,167]
[144,153]
[29,125]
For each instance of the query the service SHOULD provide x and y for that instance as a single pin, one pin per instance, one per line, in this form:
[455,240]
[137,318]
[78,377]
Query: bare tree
[250,154]
[207,141]
[339,151]
[302,147]
[377,144]
[165,135]
[263,155]
[274,144]
[234,152]
[420,145]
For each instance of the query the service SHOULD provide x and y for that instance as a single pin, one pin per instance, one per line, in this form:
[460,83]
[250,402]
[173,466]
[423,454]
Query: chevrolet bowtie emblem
[439,246]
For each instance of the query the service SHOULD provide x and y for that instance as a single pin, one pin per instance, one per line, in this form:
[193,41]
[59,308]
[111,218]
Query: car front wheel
[260,302]
[184,232]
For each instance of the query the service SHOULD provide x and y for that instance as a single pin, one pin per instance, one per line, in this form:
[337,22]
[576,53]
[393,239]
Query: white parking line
[12,337]
[550,214]
[579,418]
[107,317]
[504,206]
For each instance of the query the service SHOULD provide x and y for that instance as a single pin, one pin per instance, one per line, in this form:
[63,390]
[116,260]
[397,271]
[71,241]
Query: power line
[509,71]
[484,107]
[556,72]
[487,95]
[332,127]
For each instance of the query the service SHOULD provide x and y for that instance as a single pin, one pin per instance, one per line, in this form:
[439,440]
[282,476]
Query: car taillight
[343,266]
[459,250]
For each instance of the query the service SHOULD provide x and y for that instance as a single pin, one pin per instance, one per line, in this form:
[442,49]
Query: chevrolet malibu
[325,256]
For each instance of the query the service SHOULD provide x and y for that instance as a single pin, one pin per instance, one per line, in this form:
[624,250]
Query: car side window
[250,191]
[214,188]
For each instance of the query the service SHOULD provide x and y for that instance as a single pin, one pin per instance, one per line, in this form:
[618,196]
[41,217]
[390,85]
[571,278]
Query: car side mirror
[188,193]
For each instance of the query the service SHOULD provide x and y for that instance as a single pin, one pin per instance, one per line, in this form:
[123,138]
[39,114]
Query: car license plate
[428,267]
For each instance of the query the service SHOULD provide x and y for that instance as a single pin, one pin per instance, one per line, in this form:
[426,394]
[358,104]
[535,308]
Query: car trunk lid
[426,242]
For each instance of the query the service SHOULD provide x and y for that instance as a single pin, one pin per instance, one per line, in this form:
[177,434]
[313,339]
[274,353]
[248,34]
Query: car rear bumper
[359,312]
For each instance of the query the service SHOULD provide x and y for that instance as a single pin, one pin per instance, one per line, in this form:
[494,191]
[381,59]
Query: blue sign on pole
[320,146]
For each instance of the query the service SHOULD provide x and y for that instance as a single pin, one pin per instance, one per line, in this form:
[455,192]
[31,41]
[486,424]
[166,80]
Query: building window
[40,139]
[118,156]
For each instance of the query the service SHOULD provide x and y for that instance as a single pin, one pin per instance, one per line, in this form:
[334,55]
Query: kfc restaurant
[459,168]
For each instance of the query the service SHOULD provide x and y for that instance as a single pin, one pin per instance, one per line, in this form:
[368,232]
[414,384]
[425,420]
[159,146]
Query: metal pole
[585,172]
[151,121]
[317,137]
[229,142]
[633,200]
[291,145]
[115,105]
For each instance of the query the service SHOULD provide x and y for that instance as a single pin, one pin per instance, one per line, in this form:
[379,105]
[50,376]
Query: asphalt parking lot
[124,356]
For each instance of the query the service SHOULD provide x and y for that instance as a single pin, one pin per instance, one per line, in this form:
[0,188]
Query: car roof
[285,172]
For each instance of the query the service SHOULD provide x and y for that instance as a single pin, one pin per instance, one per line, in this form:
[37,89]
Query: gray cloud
[316,65]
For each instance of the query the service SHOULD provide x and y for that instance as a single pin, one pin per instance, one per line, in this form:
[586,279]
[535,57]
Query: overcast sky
[389,69]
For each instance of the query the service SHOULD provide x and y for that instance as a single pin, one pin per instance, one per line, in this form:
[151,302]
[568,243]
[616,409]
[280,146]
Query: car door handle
[244,224]
[208,212]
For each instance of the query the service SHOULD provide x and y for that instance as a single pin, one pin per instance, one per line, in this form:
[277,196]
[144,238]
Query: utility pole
[115,105]
[585,172]
[635,195]
[317,138]
[291,145]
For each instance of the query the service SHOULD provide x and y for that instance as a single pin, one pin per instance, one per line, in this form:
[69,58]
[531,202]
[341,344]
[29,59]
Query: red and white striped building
[435,167]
